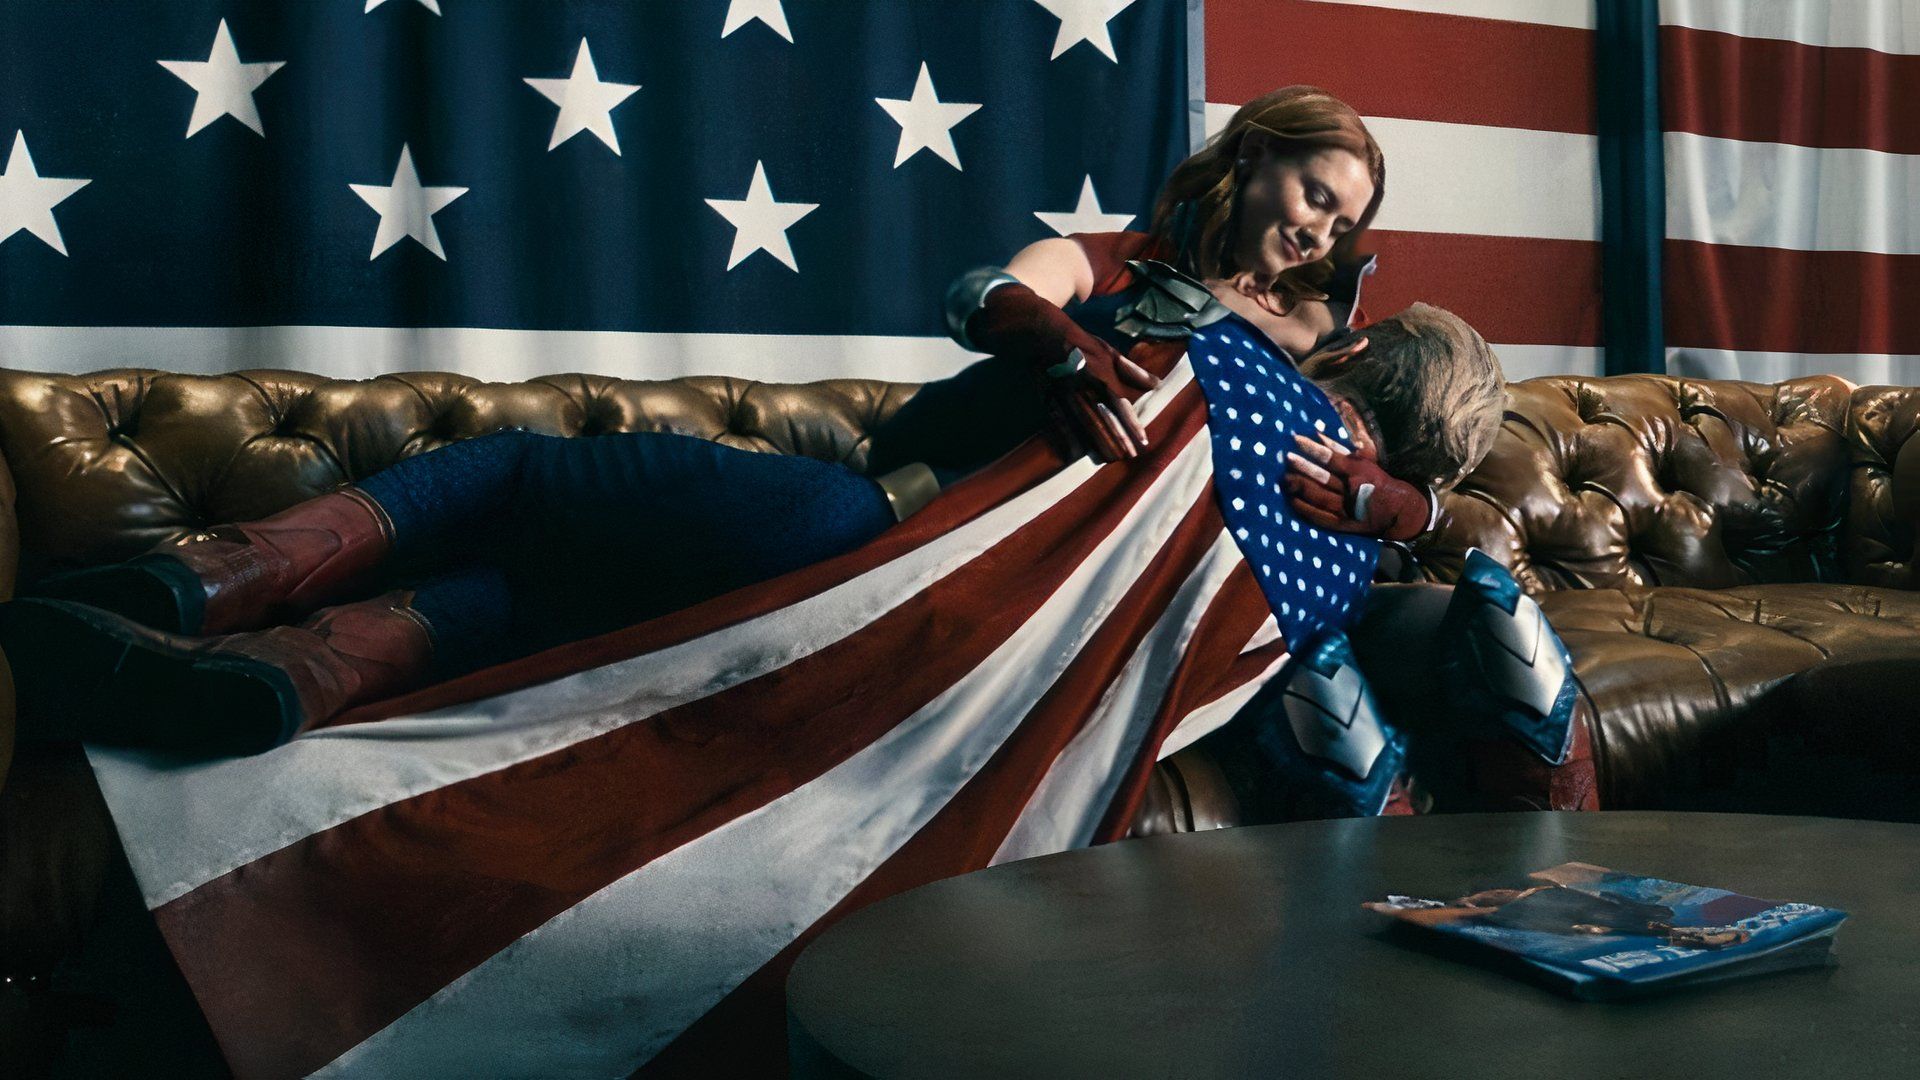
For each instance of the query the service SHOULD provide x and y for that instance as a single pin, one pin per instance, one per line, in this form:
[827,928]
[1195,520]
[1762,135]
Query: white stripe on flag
[1489,181]
[1210,717]
[1532,361]
[184,825]
[1888,26]
[1574,13]
[1269,631]
[1481,180]
[601,988]
[1861,369]
[362,352]
[1065,810]
[1776,195]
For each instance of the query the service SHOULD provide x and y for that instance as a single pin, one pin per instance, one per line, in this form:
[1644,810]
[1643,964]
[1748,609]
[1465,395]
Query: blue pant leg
[470,613]
[615,529]
[441,501]
[591,534]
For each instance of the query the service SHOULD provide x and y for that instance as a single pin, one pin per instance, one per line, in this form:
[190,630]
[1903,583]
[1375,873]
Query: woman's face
[1292,208]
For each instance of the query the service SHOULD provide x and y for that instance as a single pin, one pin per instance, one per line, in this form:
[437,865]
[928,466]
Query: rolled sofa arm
[1906,483]
[1187,792]
[1880,536]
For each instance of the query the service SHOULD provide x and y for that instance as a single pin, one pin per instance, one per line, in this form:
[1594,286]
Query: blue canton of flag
[1256,402]
[647,169]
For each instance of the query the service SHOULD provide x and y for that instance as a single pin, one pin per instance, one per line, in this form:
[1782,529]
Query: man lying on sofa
[988,679]
[180,649]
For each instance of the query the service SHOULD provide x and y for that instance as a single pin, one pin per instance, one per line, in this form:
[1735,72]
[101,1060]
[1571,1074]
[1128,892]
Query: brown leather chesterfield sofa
[1733,566]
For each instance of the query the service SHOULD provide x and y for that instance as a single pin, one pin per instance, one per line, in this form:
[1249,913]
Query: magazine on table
[1600,934]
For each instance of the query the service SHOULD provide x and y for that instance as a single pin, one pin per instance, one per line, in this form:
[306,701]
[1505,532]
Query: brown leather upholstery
[1634,483]
[118,461]
[1188,792]
[1686,681]
[1693,542]
[1698,544]
[1652,480]
[1881,539]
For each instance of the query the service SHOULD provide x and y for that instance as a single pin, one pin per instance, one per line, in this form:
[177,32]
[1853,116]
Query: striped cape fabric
[1485,109]
[603,858]
[1792,144]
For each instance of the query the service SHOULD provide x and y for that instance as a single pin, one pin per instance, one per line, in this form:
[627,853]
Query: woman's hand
[1087,394]
[1343,490]
[1089,383]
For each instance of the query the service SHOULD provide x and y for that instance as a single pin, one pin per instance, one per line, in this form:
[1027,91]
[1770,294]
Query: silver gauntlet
[968,294]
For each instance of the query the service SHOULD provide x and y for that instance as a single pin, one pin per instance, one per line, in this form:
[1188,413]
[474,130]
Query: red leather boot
[95,676]
[244,576]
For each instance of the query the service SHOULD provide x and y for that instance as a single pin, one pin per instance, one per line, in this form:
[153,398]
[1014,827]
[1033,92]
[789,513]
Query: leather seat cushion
[1688,683]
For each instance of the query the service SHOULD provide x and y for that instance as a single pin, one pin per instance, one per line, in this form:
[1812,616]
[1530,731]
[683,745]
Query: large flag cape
[588,861]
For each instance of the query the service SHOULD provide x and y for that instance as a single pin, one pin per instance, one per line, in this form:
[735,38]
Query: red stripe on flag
[1763,90]
[742,1035]
[1235,613]
[1245,667]
[1412,65]
[1721,296]
[380,912]
[1514,290]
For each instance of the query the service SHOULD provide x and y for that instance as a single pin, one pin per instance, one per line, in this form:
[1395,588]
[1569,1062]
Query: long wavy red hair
[1197,214]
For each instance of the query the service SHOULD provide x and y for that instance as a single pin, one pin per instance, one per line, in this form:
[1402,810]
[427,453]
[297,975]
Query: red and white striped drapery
[1485,109]
[1793,177]
[605,856]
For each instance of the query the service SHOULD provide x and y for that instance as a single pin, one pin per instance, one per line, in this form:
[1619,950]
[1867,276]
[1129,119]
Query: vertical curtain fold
[1632,183]
[1792,144]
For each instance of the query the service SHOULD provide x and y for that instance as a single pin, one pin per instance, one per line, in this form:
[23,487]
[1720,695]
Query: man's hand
[1343,490]
[1089,383]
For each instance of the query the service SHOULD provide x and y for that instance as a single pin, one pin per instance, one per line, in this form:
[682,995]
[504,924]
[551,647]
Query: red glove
[1347,491]
[1089,383]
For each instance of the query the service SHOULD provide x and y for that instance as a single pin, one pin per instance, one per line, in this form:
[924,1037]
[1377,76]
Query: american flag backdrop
[601,859]
[1485,109]
[1793,188]
[767,188]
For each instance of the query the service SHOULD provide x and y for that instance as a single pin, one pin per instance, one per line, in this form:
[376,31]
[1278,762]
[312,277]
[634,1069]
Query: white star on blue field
[1256,402]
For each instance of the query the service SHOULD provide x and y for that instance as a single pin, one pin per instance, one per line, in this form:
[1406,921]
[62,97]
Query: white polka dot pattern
[1312,580]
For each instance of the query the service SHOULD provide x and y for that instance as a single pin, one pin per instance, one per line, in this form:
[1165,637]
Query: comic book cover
[1599,933]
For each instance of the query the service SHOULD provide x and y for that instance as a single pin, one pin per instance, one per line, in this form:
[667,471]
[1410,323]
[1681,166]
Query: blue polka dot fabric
[1256,402]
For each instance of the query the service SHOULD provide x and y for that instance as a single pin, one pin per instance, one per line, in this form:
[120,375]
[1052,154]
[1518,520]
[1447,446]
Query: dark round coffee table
[1245,953]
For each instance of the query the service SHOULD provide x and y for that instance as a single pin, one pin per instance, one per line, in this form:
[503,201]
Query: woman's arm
[1058,269]
[1017,312]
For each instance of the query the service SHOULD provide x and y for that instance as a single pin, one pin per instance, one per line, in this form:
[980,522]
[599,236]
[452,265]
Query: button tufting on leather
[1587,405]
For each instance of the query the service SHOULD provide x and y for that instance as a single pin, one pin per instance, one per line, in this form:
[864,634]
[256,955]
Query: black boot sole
[91,675]
[153,590]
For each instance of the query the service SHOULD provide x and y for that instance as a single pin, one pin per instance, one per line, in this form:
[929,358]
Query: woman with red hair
[1259,224]
[679,801]
[1263,221]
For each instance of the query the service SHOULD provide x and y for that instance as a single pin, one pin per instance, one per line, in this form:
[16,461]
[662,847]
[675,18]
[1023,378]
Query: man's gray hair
[1434,390]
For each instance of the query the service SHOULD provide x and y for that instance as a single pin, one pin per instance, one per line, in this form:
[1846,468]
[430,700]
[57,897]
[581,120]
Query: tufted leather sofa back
[1592,482]
[103,466]
[1881,538]
[1654,480]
